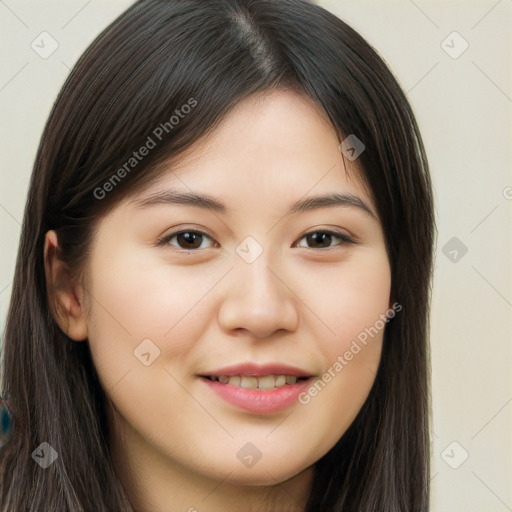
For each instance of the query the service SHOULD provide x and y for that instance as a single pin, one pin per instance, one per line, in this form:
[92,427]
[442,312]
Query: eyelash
[342,236]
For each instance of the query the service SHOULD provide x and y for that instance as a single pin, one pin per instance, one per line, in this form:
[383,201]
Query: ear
[65,296]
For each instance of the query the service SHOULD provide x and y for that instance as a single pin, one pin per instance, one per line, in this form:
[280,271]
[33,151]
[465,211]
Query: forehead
[272,146]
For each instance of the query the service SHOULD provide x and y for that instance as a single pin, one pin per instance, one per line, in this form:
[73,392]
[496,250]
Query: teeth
[234,381]
[280,381]
[266,382]
[248,382]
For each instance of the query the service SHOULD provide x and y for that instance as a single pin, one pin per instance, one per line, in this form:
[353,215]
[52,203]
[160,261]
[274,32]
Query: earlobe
[64,295]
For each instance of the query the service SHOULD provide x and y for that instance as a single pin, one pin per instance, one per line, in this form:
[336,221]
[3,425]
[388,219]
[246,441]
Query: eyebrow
[208,202]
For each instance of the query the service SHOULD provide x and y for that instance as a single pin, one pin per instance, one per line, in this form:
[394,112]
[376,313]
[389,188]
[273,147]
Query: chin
[262,475]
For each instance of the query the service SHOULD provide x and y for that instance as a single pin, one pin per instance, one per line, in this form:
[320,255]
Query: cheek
[352,353]
[143,298]
[348,298]
[365,302]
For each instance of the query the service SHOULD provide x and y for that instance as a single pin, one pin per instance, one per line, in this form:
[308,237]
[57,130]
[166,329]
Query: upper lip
[258,370]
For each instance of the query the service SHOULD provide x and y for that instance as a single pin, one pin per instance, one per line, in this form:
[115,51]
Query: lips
[260,389]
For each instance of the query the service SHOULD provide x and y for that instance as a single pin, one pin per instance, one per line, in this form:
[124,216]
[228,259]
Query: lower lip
[259,401]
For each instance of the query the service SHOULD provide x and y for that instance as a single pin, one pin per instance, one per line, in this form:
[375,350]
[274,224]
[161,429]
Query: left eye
[192,240]
[324,236]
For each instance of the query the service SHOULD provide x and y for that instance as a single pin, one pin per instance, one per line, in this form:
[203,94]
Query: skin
[175,442]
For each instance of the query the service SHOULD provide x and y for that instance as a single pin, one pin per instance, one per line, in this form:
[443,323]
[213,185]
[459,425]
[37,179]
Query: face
[228,336]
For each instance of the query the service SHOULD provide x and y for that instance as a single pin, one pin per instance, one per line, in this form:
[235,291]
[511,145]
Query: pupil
[189,238]
[314,237]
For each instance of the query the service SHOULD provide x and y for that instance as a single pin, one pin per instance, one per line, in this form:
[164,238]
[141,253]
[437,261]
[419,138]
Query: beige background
[463,105]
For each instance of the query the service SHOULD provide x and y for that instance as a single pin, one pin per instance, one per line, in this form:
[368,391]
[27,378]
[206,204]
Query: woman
[222,289]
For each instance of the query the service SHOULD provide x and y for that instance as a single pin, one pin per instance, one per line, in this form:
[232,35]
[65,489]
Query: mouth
[263,383]
[256,388]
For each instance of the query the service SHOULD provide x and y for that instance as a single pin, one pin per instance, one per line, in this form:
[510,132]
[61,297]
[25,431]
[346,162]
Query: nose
[258,300]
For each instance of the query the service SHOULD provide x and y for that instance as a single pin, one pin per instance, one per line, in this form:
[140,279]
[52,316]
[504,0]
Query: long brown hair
[149,62]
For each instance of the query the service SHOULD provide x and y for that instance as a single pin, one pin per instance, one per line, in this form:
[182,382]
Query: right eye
[187,240]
